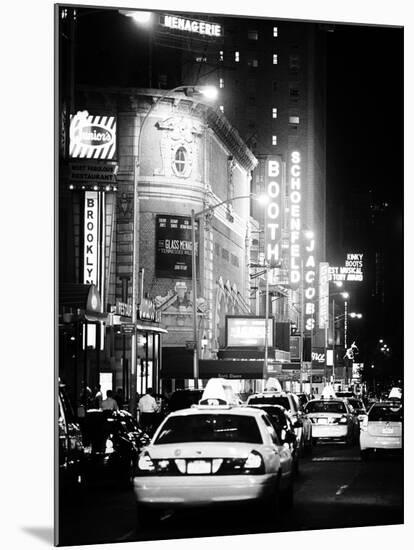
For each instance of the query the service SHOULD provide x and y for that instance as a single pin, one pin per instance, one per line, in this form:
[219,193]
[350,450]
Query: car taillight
[343,420]
[254,463]
[109,447]
[145,464]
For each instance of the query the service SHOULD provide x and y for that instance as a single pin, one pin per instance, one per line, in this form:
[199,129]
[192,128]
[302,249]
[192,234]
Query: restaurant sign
[92,137]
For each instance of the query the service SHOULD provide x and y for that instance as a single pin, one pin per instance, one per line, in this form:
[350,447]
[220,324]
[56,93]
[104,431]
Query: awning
[178,363]
[151,327]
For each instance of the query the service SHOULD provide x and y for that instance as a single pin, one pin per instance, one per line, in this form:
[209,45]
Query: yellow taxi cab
[382,428]
[214,452]
[332,418]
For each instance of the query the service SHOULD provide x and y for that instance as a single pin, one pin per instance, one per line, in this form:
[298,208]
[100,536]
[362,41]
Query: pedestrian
[148,409]
[86,396]
[119,398]
[109,404]
[97,400]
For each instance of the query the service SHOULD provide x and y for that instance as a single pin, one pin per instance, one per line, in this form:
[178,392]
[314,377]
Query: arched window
[180,160]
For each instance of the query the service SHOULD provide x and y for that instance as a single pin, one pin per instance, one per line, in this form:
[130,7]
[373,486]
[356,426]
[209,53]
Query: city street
[334,489]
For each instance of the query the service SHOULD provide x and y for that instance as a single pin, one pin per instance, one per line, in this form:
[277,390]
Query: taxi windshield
[325,407]
[384,413]
[209,427]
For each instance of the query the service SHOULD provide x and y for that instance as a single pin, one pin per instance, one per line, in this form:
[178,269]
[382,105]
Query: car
[345,394]
[210,454]
[303,398]
[301,424]
[71,450]
[183,399]
[332,419]
[358,407]
[382,428]
[285,431]
[112,442]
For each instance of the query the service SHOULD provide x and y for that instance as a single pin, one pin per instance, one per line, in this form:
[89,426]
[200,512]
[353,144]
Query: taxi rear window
[380,413]
[325,407]
[209,427]
[270,400]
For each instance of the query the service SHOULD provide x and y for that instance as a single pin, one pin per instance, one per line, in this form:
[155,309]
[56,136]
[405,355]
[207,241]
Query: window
[275,59]
[325,407]
[253,63]
[225,254]
[293,120]
[294,92]
[274,140]
[210,427]
[221,82]
[274,112]
[236,57]
[275,32]
[201,59]
[221,55]
[294,62]
[180,160]
[252,35]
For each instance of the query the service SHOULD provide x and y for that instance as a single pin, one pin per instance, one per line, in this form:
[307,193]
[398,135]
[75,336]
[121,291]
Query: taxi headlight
[254,462]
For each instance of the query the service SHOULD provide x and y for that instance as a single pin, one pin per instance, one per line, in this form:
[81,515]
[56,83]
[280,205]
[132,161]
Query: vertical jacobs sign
[91,250]
[309,283]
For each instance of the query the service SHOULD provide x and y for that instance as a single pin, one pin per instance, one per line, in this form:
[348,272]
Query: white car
[301,424]
[213,453]
[382,428]
[332,419]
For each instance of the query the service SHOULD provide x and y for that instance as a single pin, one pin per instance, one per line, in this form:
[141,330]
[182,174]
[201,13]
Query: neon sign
[309,284]
[273,176]
[191,25]
[351,271]
[295,223]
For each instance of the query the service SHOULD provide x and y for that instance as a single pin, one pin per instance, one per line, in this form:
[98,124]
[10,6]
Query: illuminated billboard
[351,272]
[248,331]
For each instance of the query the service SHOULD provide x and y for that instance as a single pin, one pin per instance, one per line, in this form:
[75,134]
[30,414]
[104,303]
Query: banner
[323,295]
[174,246]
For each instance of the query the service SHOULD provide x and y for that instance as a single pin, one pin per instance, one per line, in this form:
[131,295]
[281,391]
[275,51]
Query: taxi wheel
[287,498]
[146,517]
[271,504]
[365,455]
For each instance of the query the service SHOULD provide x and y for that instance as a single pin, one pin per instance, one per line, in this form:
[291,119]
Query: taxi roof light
[218,393]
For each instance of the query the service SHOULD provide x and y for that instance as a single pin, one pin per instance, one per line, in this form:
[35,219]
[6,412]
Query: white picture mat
[28,261]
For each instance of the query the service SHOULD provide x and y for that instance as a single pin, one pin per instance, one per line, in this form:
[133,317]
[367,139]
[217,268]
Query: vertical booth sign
[273,183]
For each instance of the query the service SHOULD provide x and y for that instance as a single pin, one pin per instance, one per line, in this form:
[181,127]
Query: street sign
[127,328]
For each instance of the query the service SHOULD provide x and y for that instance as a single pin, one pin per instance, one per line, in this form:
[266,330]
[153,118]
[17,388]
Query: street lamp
[263,199]
[208,92]
[344,295]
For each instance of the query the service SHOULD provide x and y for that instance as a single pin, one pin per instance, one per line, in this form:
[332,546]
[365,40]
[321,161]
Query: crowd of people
[149,409]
